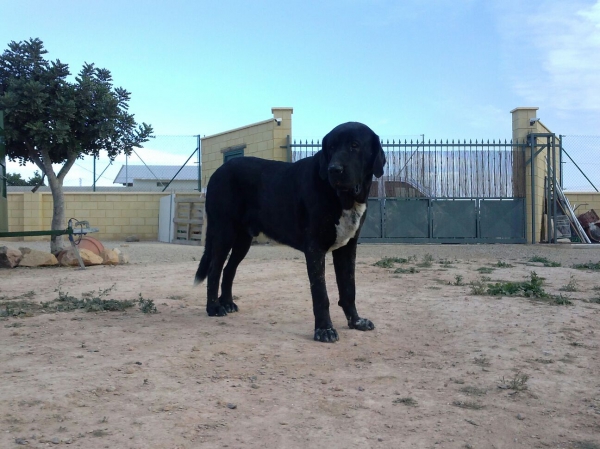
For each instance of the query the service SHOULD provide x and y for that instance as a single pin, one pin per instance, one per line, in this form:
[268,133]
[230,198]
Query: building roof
[155,172]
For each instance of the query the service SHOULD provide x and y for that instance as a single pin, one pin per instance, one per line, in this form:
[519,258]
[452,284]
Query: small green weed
[408,401]
[545,261]
[473,391]
[482,361]
[517,383]
[388,262]
[406,270]
[501,264]
[571,286]
[458,280]
[542,361]
[14,308]
[146,305]
[528,289]
[485,270]
[478,288]
[90,302]
[426,262]
[446,263]
[532,288]
[588,266]
[560,300]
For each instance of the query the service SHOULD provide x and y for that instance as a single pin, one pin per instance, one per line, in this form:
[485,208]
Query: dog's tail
[204,264]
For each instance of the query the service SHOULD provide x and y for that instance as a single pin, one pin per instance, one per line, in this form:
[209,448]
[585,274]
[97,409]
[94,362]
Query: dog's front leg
[344,261]
[315,263]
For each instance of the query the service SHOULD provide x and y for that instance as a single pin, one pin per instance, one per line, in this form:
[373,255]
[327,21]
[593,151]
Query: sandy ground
[443,368]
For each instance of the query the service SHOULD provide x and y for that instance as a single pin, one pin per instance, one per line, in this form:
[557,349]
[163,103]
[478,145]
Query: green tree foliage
[15,179]
[50,119]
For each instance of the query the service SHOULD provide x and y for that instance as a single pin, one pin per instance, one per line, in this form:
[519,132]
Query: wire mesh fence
[149,168]
[581,163]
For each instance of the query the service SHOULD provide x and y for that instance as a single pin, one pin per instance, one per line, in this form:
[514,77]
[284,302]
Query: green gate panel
[371,228]
[502,219]
[407,218]
[454,218]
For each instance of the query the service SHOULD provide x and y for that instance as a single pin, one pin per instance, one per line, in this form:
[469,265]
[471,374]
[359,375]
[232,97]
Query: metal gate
[444,220]
[445,192]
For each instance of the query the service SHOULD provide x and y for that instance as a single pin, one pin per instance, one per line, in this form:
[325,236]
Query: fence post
[199,146]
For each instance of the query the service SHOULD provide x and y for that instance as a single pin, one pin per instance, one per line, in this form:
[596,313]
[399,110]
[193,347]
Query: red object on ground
[91,244]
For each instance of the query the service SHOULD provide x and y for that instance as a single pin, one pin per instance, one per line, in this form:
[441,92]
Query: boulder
[132,238]
[9,258]
[69,258]
[24,250]
[123,257]
[36,258]
[109,257]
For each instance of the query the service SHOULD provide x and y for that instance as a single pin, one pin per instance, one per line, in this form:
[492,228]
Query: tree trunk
[58,213]
[41,158]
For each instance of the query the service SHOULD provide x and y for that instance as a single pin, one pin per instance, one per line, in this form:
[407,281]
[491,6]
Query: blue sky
[443,68]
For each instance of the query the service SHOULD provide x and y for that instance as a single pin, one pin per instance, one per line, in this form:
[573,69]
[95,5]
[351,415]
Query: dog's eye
[354,145]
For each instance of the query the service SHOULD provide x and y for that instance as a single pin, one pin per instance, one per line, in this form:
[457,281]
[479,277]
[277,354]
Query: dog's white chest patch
[348,225]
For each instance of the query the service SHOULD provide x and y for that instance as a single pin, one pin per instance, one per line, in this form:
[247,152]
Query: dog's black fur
[312,205]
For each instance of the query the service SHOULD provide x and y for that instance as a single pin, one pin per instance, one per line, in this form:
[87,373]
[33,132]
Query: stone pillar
[522,126]
[281,131]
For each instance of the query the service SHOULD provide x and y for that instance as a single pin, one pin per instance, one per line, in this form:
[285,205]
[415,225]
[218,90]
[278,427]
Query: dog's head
[351,154]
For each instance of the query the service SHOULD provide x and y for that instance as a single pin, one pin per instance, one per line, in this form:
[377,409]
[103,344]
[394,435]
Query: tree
[51,120]
[14,179]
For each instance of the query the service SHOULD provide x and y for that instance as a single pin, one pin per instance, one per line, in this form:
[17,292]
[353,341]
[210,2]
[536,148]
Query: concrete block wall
[117,215]
[584,201]
[263,139]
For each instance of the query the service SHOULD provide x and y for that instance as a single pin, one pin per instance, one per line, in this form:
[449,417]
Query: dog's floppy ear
[379,160]
[323,162]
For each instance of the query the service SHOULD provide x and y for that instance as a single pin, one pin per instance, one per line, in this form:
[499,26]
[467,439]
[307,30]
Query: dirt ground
[443,369]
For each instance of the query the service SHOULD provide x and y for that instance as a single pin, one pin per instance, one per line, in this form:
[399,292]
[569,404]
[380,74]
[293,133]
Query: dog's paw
[217,310]
[326,335]
[362,324]
[230,307]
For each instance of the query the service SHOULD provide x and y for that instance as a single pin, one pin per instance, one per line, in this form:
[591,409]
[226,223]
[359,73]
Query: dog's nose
[335,169]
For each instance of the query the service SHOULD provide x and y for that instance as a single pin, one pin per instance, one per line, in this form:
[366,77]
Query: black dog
[315,205]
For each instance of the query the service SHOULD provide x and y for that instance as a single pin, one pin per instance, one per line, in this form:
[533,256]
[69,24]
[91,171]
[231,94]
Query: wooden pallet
[189,220]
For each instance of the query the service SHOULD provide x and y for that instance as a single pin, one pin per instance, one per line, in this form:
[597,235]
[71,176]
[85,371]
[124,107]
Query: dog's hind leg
[240,248]
[221,243]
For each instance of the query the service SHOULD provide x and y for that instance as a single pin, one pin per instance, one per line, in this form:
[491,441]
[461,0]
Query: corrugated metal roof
[156,172]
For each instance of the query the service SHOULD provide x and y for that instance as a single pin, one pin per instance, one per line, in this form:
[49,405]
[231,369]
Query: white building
[156,177]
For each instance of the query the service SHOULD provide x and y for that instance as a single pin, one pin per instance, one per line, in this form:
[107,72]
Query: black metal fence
[444,169]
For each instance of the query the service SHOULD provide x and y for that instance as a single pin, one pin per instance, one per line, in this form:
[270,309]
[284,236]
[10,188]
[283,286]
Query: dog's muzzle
[336,178]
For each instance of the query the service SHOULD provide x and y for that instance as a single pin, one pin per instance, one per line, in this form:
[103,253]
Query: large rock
[123,257]
[109,257]
[69,258]
[36,258]
[9,258]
